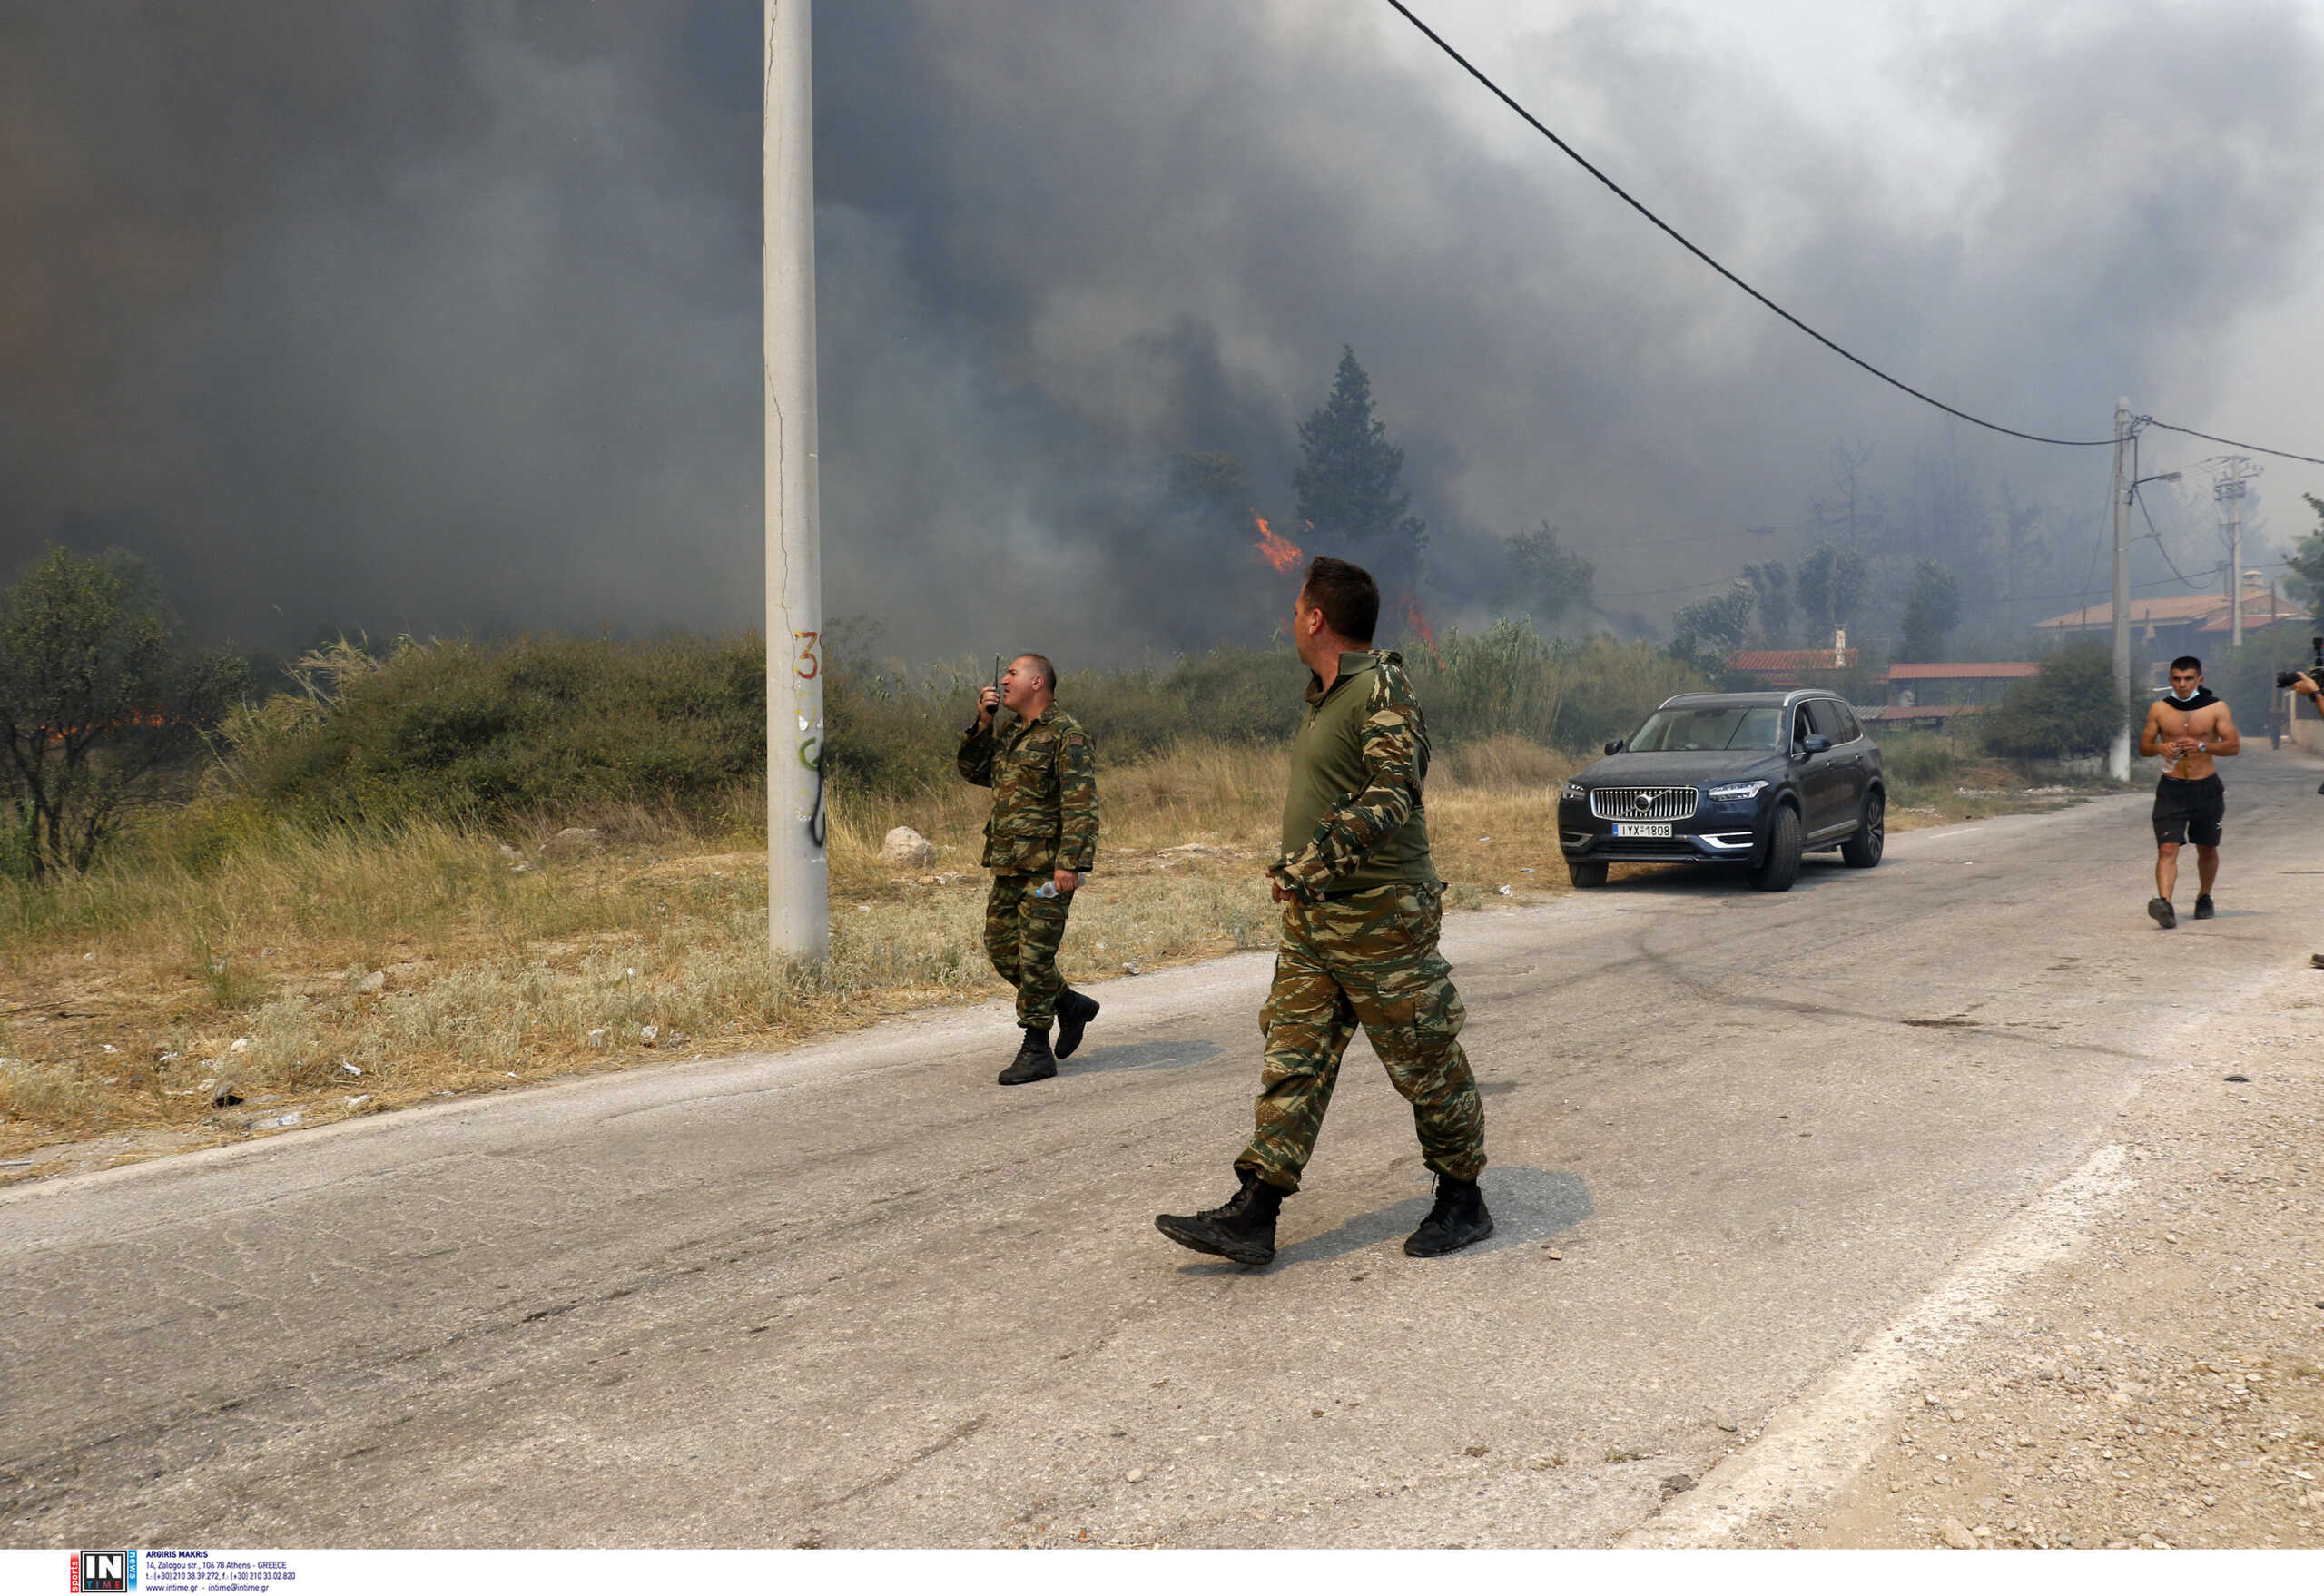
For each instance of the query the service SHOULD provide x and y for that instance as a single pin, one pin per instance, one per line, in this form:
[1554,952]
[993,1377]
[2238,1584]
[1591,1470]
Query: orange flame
[1419,624]
[1279,552]
[144,718]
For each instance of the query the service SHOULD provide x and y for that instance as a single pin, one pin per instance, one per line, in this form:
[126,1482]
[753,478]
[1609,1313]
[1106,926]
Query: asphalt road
[857,1294]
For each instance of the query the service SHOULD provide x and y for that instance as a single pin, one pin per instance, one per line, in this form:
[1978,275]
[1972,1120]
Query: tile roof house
[2183,624]
[1789,668]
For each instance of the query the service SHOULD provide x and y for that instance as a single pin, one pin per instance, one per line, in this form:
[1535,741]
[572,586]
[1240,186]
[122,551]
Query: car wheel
[1584,872]
[1781,867]
[1863,850]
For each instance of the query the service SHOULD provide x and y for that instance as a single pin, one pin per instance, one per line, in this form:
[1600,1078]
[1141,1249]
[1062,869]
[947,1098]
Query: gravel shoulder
[2161,1381]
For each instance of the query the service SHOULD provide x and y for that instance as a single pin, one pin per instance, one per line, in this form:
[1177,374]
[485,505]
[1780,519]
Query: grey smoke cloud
[444,316]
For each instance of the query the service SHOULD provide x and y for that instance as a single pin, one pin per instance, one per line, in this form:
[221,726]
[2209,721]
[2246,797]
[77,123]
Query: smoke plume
[444,315]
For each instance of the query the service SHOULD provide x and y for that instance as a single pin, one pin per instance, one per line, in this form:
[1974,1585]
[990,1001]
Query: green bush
[1501,681]
[1508,681]
[1918,759]
[533,727]
[541,726]
[888,735]
[1607,689]
[2068,709]
[893,735]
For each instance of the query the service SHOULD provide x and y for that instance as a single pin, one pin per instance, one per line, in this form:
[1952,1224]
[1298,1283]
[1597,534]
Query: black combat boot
[1241,1229]
[1458,1219]
[1074,1013]
[1034,1061]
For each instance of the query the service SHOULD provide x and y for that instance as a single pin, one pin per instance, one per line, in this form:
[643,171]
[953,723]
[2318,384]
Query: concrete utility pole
[2118,752]
[797,873]
[2227,488]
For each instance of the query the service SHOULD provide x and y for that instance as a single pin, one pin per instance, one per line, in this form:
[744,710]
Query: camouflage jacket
[1044,779]
[1354,818]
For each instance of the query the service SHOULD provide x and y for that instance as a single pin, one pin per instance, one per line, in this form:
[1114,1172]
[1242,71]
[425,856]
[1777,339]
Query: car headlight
[1576,792]
[1734,792]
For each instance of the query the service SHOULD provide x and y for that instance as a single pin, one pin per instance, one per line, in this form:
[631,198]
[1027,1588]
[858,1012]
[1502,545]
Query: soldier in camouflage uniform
[1361,908]
[1039,844]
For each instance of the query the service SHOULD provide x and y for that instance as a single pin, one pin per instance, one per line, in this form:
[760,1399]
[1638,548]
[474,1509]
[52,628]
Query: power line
[2162,548]
[2281,454]
[2015,598]
[1766,532]
[2136,588]
[2153,531]
[1693,249]
[2088,576]
[1652,592]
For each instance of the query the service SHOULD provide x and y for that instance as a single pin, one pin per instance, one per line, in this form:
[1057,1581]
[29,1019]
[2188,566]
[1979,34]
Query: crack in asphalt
[958,1434]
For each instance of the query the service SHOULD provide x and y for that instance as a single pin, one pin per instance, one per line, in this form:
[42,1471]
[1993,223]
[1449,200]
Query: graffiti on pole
[809,668]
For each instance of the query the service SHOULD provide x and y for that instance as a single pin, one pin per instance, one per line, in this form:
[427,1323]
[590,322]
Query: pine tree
[1830,585]
[1772,584]
[1549,579]
[1931,612]
[1349,479]
[1704,633]
[1212,482]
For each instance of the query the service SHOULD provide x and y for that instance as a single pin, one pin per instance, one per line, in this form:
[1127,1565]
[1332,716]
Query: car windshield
[1711,726]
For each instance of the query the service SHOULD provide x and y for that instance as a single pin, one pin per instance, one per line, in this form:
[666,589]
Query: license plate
[1642,829]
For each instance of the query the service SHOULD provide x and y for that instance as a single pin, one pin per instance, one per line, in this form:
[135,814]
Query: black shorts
[2190,812]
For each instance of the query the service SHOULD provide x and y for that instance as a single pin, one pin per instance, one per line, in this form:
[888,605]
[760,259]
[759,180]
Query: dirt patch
[2162,1383]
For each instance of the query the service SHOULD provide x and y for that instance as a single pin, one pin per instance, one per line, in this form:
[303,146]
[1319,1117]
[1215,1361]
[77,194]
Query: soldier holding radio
[1040,845]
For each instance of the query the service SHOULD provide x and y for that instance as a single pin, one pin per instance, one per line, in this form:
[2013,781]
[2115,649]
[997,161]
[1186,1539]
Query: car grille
[1643,802]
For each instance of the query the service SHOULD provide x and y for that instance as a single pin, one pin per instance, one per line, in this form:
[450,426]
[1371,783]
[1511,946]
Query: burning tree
[98,696]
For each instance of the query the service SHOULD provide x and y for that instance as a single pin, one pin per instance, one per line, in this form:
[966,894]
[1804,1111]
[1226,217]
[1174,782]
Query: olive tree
[99,699]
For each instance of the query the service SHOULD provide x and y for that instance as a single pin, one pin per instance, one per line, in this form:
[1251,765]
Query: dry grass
[339,973]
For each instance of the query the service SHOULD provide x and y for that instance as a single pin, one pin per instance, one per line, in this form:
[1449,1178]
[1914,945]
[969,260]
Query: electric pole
[2118,752]
[797,873]
[2231,473]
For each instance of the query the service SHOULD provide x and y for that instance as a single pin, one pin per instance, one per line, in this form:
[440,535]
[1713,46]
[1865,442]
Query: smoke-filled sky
[442,315]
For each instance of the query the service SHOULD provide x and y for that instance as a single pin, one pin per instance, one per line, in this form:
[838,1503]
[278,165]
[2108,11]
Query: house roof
[2255,614]
[1968,670]
[2207,611]
[1764,661]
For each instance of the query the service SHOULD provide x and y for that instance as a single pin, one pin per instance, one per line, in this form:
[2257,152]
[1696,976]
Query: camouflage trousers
[1368,959]
[1021,933]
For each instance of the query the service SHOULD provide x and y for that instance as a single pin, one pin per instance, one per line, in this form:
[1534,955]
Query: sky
[442,317]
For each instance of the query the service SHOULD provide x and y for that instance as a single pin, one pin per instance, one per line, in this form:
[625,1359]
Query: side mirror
[1817,744]
[1615,746]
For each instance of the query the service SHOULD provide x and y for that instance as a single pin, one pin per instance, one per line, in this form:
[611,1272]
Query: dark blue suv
[1748,779]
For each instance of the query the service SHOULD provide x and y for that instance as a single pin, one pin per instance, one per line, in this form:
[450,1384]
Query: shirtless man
[2188,730]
